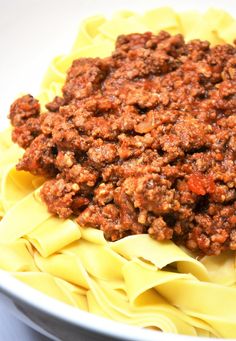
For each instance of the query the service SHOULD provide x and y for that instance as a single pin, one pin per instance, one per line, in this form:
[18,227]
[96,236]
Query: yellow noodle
[121,310]
[53,234]
[226,263]
[163,18]
[88,30]
[219,21]
[53,287]
[5,139]
[23,218]
[212,303]
[117,26]
[16,185]
[159,253]
[64,266]
[99,261]
[2,211]
[93,235]
[17,257]
[10,154]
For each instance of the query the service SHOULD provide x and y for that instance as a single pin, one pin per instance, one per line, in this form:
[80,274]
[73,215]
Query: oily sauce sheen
[143,141]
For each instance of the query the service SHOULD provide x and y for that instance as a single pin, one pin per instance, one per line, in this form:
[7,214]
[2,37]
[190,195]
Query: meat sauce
[143,141]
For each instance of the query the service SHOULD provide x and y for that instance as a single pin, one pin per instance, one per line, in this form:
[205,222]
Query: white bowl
[63,322]
[31,33]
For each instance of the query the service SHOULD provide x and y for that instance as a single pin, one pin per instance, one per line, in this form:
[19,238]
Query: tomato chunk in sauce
[143,141]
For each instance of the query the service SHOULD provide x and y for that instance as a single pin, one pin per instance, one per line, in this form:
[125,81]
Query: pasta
[167,289]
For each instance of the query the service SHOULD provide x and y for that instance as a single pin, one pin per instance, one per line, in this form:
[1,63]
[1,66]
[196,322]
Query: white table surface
[12,329]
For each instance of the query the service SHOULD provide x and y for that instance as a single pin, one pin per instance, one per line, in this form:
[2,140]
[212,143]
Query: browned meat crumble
[143,141]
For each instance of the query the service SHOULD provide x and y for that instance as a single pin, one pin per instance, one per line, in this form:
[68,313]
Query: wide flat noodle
[210,302]
[23,218]
[17,256]
[99,261]
[54,287]
[64,266]
[164,18]
[88,31]
[226,263]
[136,280]
[93,235]
[53,234]
[140,281]
[16,185]
[160,254]
[10,155]
[112,29]
[120,310]
[5,139]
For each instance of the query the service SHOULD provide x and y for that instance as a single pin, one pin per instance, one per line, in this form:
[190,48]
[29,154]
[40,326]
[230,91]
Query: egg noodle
[135,280]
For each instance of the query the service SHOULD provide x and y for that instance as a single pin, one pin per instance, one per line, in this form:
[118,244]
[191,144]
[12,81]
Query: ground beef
[143,141]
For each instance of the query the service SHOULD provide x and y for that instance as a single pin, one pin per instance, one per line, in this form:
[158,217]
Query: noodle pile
[135,280]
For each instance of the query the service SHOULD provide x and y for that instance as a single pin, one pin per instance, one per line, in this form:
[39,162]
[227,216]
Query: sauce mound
[143,141]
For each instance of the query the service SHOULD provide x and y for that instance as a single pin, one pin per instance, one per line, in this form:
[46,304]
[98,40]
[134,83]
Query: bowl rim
[17,290]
